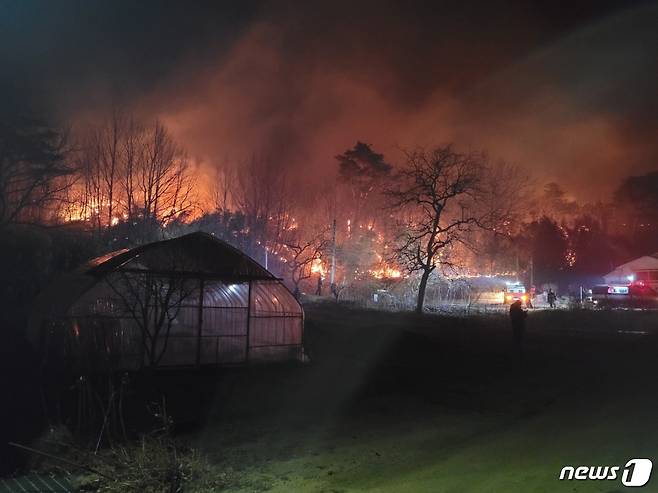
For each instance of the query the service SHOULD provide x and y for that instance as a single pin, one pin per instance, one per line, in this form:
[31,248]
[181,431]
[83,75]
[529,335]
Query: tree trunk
[421,291]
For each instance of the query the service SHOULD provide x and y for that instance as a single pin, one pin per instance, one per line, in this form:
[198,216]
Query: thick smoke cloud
[578,109]
[571,96]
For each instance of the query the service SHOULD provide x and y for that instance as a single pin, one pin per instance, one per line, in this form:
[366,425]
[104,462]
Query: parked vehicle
[636,294]
[516,291]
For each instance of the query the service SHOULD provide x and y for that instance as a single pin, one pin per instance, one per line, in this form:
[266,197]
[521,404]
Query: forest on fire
[67,195]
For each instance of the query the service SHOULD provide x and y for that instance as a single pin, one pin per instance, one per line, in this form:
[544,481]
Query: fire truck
[515,291]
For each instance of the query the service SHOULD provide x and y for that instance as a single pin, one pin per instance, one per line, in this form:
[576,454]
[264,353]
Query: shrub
[154,464]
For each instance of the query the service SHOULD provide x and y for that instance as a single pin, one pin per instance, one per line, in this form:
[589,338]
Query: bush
[154,464]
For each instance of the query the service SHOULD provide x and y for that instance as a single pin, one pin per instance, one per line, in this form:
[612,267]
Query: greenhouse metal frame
[190,301]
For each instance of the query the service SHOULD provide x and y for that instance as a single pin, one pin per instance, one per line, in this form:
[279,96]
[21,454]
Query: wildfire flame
[317,267]
[385,272]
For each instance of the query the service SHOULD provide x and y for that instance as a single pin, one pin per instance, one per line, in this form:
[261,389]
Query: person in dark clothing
[550,297]
[517,316]
[318,290]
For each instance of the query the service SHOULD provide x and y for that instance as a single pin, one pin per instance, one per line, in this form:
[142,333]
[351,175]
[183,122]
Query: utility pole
[332,277]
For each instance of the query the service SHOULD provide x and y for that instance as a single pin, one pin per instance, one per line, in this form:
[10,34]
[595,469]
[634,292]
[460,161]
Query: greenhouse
[189,301]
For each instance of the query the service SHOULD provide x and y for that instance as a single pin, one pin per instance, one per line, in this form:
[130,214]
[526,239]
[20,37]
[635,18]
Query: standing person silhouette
[517,317]
[318,291]
[550,297]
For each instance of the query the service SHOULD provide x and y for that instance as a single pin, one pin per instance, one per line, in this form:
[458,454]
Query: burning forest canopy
[439,210]
[298,136]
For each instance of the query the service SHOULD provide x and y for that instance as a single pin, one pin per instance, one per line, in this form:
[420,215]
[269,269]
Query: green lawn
[399,403]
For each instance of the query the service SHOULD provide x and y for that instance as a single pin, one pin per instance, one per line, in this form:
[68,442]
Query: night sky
[568,91]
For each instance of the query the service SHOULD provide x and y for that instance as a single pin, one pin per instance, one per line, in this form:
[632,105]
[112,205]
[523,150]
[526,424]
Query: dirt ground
[396,403]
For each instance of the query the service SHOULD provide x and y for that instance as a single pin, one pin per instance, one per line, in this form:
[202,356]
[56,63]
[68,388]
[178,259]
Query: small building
[185,302]
[643,269]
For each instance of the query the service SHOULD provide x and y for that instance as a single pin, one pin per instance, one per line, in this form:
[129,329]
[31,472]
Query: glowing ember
[570,257]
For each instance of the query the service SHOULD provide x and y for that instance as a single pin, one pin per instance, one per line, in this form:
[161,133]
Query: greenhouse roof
[199,255]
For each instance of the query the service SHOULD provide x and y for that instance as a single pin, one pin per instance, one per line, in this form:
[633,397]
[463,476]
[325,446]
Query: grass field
[394,402]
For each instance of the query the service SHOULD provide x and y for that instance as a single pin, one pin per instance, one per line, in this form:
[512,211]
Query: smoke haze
[568,95]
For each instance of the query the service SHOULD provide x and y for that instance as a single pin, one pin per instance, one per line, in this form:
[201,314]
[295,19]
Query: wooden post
[248,323]
[199,324]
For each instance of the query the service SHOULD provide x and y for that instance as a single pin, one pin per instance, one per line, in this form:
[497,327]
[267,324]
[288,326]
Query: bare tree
[90,191]
[301,252]
[164,179]
[131,171]
[133,160]
[153,300]
[435,194]
[224,186]
[33,168]
[109,141]
[99,165]
[503,205]
[265,197]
